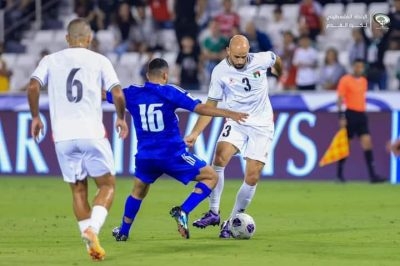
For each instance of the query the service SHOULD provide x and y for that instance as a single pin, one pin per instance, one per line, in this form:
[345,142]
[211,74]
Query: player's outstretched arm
[33,99]
[200,125]
[208,110]
[119,102]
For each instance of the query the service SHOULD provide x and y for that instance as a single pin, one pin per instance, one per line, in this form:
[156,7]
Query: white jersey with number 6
[246,89]
[75,79]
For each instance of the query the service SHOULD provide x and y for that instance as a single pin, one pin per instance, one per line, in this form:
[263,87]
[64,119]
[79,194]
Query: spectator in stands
[358,46]
[91,12]
[143,37]
[161,14]
[331,71]
[207,10]
[213,49]
[227,19]
[95,45]
[376,48]
[305,59]
[310,16]
[185,23]
[276,27]
[394,28]
[17,15]
[44,52]
[108,7]
[123,27]
[5,73]
[288,77]
[187,64]
[259,41]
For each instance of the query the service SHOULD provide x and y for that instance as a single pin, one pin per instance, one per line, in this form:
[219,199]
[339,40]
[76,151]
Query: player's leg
[146,172]
[245,193]
[229,143]
[256,151]
[71,158]
[132,206]
[99,163]
[247,190]
[186,168]
[80,203]
[223,155]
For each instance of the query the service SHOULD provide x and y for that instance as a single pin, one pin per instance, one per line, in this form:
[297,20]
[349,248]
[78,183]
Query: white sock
[83,224]
[215,196]
[243,198]
[98,217]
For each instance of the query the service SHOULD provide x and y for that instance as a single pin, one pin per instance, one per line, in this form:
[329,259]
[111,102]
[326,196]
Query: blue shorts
[183,168]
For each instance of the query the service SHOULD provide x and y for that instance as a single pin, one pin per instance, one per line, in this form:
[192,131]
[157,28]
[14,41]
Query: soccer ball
[242,226]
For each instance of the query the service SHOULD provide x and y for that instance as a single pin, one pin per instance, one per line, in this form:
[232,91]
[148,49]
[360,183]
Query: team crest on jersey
[256,74]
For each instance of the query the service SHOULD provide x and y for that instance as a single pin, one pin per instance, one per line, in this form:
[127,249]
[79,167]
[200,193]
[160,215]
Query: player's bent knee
[208,175]
[221,159]
[251,180]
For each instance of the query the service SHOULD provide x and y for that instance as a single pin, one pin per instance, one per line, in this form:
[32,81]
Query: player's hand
[122,128]
[190,140]
[36,128]
[394,147]
[239,117]
[342,122]
[104,95]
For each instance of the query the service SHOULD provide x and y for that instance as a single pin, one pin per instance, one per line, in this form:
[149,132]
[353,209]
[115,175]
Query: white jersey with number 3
[75,79]
[246,89]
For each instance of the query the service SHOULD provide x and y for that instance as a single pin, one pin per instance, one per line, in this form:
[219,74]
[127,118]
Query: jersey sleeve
[269,58]
[181,98]
[108,75]
[109,96]
[42,71]
[215,92]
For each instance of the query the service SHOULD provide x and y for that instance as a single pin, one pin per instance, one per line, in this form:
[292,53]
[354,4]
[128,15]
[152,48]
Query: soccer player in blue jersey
[161,149]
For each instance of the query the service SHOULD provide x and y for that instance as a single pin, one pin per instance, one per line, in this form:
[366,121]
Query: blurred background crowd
[317,40]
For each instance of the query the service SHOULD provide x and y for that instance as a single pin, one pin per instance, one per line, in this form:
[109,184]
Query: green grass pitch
[298,223]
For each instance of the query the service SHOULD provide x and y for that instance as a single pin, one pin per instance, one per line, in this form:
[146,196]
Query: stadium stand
[24,42]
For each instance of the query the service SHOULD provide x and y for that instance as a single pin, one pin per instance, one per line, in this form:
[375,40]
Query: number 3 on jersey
[151,118]
[247,83]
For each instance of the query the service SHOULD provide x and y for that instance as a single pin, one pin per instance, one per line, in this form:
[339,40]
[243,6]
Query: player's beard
[239,66]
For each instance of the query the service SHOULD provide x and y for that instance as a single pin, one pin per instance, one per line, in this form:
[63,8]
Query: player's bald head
[238,50]
[79,28]
[239,42]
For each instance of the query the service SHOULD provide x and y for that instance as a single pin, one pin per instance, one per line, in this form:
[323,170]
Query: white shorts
[252,142]
[84,157]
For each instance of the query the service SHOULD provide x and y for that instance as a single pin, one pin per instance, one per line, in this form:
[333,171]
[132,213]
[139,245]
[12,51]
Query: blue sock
[194,198]
[132,207]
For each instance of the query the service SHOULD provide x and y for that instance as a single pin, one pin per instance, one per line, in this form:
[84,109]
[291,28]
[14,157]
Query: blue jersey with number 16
[152,107]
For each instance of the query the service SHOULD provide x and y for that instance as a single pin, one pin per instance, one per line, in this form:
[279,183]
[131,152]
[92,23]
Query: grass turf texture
[298,223]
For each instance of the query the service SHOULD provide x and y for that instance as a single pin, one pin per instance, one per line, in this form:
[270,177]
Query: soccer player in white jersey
[75,78]
[239,81]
